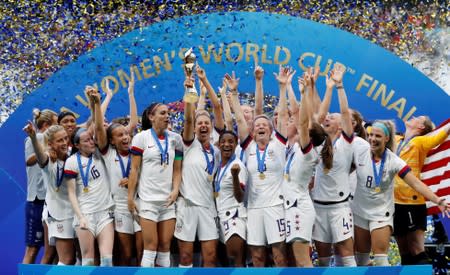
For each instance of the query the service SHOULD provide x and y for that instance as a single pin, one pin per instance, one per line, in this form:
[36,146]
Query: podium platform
[78,270]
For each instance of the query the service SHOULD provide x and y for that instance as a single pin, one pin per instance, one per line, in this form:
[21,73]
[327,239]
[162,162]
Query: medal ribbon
[210,164]
[84,177]
[163,152]
[219,177]
[59,177]
[261,160]
[378,174]
[125,172]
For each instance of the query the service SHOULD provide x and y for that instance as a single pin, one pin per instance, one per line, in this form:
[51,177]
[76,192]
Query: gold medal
[286,177]
[377,189]
[85,189]
[210,178]
[165,165]
[216,194]
[57,189]
[262,176]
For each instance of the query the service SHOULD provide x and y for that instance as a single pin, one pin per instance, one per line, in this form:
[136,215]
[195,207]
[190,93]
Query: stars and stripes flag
[436,169]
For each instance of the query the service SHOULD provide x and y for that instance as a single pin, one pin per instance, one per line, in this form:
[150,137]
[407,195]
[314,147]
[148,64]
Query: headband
[76,137]
[382,126]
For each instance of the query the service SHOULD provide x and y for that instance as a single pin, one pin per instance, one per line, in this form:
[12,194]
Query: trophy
[190,93]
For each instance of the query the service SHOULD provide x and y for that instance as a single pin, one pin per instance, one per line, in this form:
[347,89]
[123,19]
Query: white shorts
[155,210]
[125,223]
[233,221]
[192,219]
[266,225]
[333,224]
[300,217]
[371,225]
[96,221]
[59,229]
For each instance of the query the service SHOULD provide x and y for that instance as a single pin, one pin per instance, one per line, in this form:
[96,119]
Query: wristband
[339,87]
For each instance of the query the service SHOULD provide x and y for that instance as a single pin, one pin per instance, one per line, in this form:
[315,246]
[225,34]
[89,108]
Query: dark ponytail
[319,136]
[145,121]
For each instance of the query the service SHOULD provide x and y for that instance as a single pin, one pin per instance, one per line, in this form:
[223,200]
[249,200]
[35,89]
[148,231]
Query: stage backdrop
[378,83]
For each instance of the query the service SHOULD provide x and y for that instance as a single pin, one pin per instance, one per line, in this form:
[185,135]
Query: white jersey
[360,147]
[98,195]
[35,183]
[223,184]
[114,170]
[155,179]
[57,199]
[266,191]
[295,183]
[195,186]
[334,186]
[374,201]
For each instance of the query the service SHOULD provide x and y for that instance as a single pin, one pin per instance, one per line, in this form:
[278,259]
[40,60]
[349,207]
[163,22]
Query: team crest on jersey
[172,143]
[179,226]
[270,152]
[60,227]
[119,222]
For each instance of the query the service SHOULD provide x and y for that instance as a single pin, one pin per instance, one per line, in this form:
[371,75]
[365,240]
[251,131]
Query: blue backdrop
[378,83]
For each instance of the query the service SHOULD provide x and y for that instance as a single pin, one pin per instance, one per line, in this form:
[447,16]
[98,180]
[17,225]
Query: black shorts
[409,218]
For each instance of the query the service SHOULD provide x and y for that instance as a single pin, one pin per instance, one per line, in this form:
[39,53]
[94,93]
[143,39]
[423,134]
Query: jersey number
[95,173]
[369,181]
[281,225]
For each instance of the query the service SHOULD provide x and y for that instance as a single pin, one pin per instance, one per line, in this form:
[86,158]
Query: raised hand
[338,73]
[315,73]
[29,129]
[130,84]
[258,72]
[93,94]
[200,72]
[235,169]
[282,76]
[301,85]
[290,75]
[231,81]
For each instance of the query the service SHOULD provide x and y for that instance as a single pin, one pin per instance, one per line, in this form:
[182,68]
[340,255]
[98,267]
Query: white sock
[185,266]
[362,259]
[348,261]
[324,261]
[61,263]
[78,261]
[87,261]
[163,259]
[381,260]
[106,261]
[148,258]
[337,260]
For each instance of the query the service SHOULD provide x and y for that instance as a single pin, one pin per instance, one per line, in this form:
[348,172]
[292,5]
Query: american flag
[436,170]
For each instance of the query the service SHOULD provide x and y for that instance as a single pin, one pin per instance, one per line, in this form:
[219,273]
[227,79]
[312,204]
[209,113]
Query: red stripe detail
[308,148]
[437,179]
[280,138]
[70,172]
[444,146]
[404,171]
[433,210]
[246,142]
[349,139]
[442,124]
[188,142]
[436,164]
[137,149]
[443,192]
[242,186]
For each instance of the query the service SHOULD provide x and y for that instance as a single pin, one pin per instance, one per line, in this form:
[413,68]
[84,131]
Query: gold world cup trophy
[190,93]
